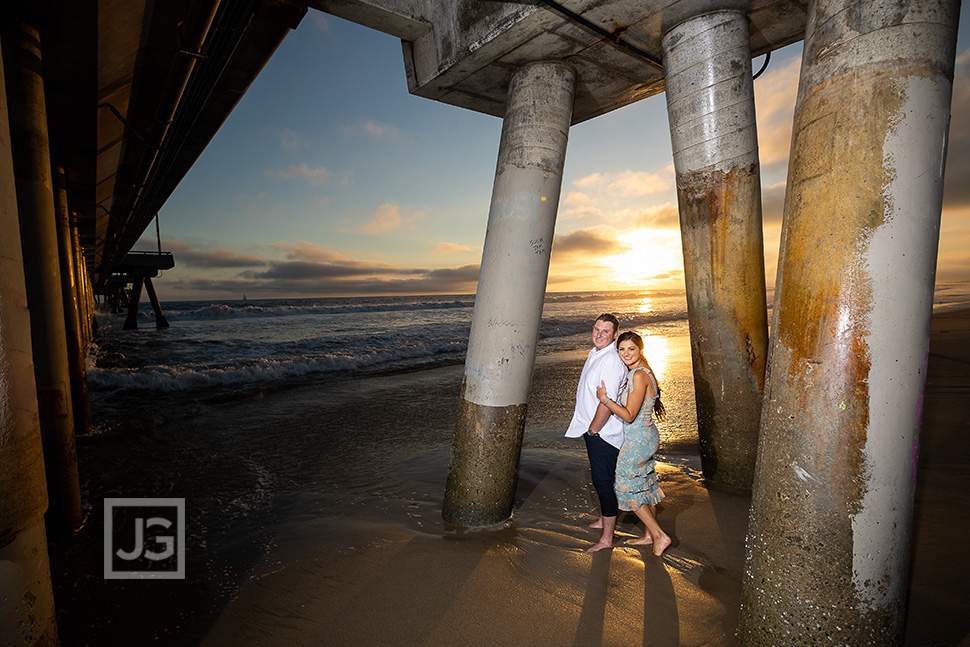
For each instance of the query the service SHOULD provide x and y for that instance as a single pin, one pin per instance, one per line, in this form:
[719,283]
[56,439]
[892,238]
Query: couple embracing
[616,402]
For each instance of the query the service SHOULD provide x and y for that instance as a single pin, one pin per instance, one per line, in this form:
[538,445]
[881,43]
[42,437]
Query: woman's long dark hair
[659,411]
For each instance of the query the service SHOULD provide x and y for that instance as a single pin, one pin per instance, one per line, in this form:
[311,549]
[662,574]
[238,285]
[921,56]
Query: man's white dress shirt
[601,366]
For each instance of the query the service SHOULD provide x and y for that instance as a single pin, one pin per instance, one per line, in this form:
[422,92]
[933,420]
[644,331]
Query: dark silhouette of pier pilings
[82,287]
[131,321]
[160,320]
[72,311]
[830,527]
[27,611]
[710,104]
[38,234]
[508,307]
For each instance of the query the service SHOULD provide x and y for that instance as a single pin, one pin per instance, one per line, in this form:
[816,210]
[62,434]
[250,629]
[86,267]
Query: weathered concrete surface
[27,609]
[467,55]
[829,535]
[35,205]
[710,103]
[508,306]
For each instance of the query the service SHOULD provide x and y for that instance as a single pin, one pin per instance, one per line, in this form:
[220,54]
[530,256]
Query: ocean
[231,344]
[219,345]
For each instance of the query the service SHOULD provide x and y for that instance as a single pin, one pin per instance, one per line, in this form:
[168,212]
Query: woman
[637,489]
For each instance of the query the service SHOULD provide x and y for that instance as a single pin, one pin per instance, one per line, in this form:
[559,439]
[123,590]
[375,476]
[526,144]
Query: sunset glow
[370,191]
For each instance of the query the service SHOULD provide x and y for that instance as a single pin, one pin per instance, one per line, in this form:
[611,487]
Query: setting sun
[652,255]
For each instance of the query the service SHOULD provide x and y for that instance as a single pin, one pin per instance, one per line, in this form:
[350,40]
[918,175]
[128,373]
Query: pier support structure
[131,321]
[511,286]
[829,533]
[38,233]
[27,610]
[72,310]
[160,320]
[710,103]
[82,287]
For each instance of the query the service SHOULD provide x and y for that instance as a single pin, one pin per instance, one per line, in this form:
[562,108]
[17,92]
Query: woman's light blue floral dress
[636,476]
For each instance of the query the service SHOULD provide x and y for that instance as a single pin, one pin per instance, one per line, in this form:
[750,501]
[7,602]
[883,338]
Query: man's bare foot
[661,545]
[645,541]
[598,546]
[597,524]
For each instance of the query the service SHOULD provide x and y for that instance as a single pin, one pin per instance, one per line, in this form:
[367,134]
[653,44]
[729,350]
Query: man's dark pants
[602,464]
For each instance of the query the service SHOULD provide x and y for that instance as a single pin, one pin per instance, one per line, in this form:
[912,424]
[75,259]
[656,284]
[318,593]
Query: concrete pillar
[72,315]
[80,279]
[131,321]
[710,103]
[27,608]
[829,532]
[160,321]
[511,288]
[89,305]
[38,232]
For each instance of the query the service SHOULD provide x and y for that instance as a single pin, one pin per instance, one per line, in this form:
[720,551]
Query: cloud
[662,216]
[774,98]
[593,241]
[218,257]
[625,184]
[956,187]
[291,141]
[323,279]
[304,251]
[317,176]
[390,217]
[319,20]
[773,203]
[580,206]
[372,128]
[450,248]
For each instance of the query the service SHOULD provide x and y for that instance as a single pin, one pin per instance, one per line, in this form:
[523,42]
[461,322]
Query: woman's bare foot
[645,541]
[597,524]
[660,545]
[598,546]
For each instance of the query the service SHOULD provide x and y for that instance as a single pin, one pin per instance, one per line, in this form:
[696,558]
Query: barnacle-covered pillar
[710,103]
[829,532]
[27,606]
[508,305]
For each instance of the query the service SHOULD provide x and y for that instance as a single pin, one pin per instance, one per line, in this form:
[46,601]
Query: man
[602,431]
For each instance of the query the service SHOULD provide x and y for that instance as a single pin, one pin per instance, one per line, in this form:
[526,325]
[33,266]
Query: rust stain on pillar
[723,265]
[710,103]
[828,538]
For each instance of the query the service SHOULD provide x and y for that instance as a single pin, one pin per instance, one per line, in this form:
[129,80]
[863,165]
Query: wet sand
[306,527]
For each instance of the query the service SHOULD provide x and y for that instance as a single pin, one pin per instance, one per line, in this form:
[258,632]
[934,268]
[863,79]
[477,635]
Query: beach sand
[313,518]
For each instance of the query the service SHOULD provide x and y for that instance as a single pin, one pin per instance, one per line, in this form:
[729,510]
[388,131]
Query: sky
[330,179]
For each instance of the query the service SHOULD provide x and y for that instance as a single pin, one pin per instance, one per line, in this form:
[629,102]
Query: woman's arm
[634,399]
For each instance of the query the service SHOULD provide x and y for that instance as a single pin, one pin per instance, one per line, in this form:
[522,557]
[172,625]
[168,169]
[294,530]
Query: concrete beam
[405,19]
